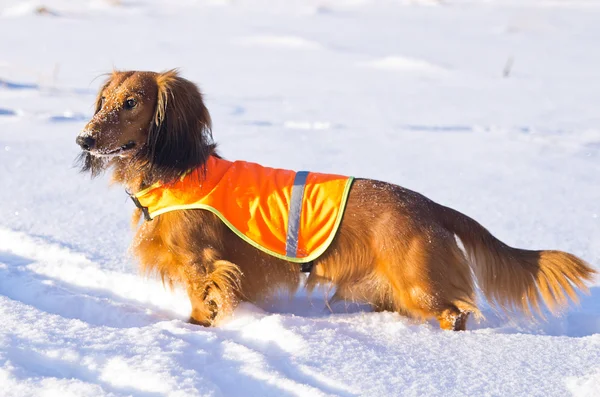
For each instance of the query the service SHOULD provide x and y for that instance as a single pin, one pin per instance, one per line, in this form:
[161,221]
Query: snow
[411,92]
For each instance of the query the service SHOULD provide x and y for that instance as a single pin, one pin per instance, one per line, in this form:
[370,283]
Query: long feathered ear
[180,136]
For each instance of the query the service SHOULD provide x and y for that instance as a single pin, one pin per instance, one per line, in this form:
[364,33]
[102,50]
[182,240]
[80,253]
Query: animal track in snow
[66,116]
[75,287]
[11,85]
[7,112]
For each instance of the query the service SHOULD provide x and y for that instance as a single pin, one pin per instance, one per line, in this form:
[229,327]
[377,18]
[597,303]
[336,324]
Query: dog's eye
[130,103]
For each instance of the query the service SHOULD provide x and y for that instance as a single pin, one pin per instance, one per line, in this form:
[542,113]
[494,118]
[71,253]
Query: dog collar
[137,203]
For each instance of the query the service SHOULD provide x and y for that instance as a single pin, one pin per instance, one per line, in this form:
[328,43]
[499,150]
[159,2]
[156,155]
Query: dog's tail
[516,279]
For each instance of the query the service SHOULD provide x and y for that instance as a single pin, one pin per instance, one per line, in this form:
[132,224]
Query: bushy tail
[516,279]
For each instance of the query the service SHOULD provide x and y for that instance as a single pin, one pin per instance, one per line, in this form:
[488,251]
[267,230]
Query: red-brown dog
[399,255]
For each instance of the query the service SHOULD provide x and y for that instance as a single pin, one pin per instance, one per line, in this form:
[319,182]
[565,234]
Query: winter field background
[412,92]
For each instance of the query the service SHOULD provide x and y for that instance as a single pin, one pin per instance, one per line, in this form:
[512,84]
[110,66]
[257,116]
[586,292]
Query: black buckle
[306,267]
[135,200]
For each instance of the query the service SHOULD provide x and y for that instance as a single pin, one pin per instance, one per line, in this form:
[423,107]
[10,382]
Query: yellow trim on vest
[220,168]
[241,235]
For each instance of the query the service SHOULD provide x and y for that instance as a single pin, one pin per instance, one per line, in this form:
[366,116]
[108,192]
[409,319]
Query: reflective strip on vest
[291,244]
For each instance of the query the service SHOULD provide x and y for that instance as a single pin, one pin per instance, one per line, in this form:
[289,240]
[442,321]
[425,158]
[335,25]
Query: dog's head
[157,120]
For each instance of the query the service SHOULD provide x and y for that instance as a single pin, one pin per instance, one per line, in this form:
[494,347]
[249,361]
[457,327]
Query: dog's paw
[204,323]
[205,310]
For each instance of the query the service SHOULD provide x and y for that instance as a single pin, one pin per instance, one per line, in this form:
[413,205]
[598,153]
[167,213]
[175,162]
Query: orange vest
[291,215]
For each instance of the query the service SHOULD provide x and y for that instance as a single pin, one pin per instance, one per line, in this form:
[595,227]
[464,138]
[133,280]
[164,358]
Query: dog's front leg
[214,293]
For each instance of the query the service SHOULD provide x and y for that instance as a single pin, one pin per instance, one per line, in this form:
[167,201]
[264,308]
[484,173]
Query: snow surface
[410,92]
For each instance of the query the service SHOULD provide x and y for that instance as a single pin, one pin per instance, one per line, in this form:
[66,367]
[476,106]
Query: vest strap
[291,242]
[137,203]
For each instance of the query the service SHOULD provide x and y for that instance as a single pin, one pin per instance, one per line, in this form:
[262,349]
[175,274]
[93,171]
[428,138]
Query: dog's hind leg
[430,278]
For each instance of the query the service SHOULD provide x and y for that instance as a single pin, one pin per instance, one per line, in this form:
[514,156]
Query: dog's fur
[395,249]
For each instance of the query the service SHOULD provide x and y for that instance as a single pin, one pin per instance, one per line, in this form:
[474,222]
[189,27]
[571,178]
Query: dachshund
[394,250]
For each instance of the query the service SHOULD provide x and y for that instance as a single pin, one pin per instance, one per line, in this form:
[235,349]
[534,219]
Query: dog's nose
[86,142]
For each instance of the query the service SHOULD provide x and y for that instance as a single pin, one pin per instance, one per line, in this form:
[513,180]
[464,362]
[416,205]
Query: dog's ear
[180,136]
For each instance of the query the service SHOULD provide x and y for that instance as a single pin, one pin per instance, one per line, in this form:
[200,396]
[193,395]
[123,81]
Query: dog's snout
[86,142]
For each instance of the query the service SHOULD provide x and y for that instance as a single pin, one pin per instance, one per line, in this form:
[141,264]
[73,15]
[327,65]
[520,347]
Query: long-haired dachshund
[394,249]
